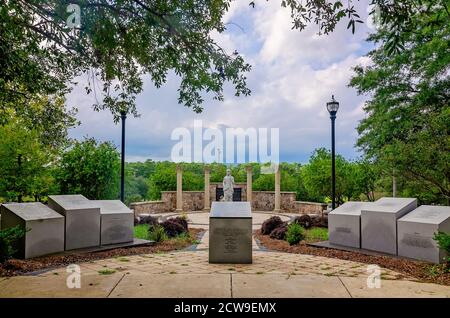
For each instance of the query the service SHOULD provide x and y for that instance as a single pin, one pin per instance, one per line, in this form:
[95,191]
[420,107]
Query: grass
[316,234]
[141,231]
[106,271]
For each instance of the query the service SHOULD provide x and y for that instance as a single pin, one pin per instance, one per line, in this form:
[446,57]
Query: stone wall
[261,200]
[265,201]
[149,207]
[304,207]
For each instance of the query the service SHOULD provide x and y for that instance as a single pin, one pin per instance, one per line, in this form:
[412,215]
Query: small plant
[106,271]
[295,233]
[443,241]
[157,234]
[8,237]
[173,227]
[141,231]
[182,221]
[270,224]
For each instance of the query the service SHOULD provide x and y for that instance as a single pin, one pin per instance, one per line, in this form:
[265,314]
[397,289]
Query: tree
[408,116]
[24,163]
[90,168]
[365,178]
[118,42]
[317,177]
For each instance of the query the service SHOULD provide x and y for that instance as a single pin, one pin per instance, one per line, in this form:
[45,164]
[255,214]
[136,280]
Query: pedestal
[379,223]
[344,224]
[82,226]
[230,233]
[416,231]
[45,227]
[117,222]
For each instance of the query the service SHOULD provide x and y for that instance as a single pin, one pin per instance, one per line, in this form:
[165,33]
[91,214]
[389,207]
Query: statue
[228,186]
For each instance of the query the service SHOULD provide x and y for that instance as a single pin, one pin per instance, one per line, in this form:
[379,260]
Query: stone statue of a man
[228,186]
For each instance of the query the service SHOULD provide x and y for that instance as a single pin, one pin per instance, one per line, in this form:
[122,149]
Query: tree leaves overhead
[116,44]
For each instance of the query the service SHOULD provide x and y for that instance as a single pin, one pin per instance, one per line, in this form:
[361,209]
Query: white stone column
[207,204]
[179,188]
[277,190]
[249,183]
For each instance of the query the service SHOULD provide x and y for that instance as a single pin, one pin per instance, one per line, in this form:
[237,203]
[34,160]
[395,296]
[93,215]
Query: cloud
[294,74]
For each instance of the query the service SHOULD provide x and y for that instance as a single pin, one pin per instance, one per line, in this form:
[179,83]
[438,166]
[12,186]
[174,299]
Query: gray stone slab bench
[45,228]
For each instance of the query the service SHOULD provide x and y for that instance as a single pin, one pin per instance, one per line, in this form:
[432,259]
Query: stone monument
[230,233]
[379,223]
[82,220]
[344,224]
[45,228]
[116,222]
[416,231]
[228,187]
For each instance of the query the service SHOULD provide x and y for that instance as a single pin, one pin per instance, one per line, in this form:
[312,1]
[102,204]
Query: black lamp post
[123,115]
[332,108]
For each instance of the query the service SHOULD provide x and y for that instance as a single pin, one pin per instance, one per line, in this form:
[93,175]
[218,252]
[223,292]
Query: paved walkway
[188,274]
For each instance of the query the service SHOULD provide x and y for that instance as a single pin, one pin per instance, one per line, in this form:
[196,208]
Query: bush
[443,240]
[172,228]
[148,219]
[304,220]
[157,233]
[7,239]
[279,233]
[270,224]
[182,221]
[295,233]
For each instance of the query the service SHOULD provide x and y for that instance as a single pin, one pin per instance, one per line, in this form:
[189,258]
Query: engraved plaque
[230,237]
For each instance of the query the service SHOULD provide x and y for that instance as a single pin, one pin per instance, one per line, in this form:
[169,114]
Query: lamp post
[332,108]
[123,115]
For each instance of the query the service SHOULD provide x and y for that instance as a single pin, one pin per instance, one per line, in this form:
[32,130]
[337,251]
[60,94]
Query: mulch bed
[15,267]
[423,272]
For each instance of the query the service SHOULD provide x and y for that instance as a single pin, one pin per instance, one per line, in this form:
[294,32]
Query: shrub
[270,224]
[7,239]
[172,228]
[157,233]
[148,219]
[304,220]
[295,233]
[443,240]
[182,221]
[279,233]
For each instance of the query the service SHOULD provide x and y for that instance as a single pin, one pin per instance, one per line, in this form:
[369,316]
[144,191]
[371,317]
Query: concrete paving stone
[284,286]
[357,287]
[173,285]
[92,285]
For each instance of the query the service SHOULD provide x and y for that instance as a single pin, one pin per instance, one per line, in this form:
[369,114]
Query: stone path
[188,274]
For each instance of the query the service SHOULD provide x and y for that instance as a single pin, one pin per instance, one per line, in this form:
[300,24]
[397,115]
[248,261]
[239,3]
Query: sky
[294,73]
